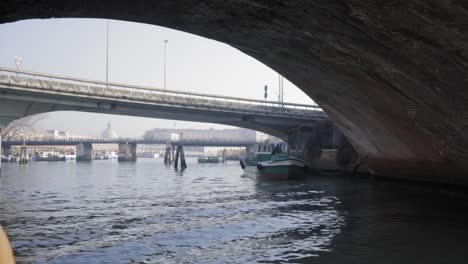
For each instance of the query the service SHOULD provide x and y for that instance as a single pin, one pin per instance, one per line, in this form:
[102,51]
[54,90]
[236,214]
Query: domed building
[109,132]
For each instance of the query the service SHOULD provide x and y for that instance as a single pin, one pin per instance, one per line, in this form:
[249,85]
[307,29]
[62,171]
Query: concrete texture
[391,74]
[21,96]
[127,152]
[84,152]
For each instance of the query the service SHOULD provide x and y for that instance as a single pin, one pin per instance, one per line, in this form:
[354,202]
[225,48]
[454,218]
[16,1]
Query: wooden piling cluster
[173,154]
[180,154]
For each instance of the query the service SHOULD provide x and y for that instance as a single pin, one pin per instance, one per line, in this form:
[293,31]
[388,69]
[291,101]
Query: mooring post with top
[173,149]
[176,160]
[167,156]
[183,165]
[180,155]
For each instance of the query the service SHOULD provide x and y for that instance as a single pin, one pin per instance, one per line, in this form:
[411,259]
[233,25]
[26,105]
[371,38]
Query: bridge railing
[162,140]
[170,96]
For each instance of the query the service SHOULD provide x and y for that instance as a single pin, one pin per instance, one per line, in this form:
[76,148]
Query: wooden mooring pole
[180,155]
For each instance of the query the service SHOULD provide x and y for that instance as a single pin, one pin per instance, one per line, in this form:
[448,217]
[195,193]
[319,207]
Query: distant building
[189,133]
[57,133]
[109,132]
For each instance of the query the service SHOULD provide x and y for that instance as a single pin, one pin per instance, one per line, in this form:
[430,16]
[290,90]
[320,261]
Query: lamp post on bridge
[107,53]
[280,90]
[165,51]
[18,61]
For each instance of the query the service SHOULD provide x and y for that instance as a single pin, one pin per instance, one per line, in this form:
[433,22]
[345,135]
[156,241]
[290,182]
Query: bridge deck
[45,83]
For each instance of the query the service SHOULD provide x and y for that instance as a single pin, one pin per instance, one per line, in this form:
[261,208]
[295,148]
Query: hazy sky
[77,47]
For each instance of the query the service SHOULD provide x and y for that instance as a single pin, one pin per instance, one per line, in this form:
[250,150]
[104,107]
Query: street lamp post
[107,53]
[165,49]
[18,61]
[280,90]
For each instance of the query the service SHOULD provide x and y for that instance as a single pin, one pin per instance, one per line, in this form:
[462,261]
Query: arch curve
[392,75]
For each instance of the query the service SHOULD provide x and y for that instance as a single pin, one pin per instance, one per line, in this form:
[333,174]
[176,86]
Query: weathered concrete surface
[22,96]
[392,74]
[84,152]
[127,152]
[324,148]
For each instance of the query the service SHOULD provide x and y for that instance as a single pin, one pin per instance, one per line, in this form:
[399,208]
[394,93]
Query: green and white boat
[273,165]
[249,163]
[281,167]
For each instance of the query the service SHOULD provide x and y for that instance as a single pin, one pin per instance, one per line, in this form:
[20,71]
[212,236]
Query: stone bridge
[391,74]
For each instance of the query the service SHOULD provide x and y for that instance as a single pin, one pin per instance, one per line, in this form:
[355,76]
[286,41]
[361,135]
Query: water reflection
[144,212]
[104,212]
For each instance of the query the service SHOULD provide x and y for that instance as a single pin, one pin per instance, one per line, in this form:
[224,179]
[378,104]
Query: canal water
[144,212]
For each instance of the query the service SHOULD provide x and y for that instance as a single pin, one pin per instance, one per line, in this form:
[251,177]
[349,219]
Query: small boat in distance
[49,158]
[210,159]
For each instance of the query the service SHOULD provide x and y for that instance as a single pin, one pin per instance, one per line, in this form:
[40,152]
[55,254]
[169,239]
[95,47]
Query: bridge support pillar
[24,157]
[224,155]
[84,152]
[324,148]
[127,152]
[5,150]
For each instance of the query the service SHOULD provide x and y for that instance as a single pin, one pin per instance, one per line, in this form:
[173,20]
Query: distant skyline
[77,47]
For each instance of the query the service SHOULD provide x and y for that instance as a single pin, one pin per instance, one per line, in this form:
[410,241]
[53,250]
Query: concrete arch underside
[391,74]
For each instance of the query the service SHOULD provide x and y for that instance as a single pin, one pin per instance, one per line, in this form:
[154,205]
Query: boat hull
[281,170]
[281,173]
[273,166]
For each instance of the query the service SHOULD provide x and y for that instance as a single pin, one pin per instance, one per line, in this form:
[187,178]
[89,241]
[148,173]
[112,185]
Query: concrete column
[5,150]
[24,157]
[84,152]
[127,152]
[307,143]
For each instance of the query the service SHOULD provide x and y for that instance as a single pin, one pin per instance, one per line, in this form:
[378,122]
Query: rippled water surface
[144,212]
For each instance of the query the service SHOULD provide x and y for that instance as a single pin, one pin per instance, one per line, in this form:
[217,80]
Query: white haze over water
[77,47]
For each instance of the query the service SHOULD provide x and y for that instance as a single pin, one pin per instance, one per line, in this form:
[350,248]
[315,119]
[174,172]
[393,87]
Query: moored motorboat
[281,167]
[249,163]
[274,165]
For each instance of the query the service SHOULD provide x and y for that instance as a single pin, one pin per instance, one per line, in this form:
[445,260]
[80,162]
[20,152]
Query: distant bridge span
[24,93]
[180,142]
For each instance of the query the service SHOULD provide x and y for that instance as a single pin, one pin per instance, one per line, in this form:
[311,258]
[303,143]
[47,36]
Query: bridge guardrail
[132,140]
[51,82]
